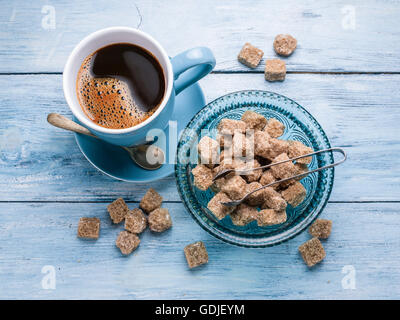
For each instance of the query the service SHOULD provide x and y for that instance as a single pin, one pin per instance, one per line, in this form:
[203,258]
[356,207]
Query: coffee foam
[107,101]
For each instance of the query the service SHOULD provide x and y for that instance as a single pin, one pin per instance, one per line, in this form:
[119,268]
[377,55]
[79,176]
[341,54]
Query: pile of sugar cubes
[248,144]
[275,69]
[149,214]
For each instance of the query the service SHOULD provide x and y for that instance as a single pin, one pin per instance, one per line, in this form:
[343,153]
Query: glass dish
[300,125]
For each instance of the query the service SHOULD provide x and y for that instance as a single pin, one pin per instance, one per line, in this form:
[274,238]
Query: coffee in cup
[120,85]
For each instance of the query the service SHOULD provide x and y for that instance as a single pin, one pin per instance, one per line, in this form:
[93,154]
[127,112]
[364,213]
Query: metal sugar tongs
[240,172]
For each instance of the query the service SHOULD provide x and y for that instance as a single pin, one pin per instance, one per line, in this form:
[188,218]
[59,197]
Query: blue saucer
[116,163]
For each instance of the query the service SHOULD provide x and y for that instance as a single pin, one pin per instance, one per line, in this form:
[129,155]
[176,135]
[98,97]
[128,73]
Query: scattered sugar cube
[150,201]
[89,228]
[284,44]
[196,254]
[294,194]
[275,128]
[127,242]
[312,252]
[135,221]
[269,217]
[235,187]
[256,198]
[160,220]
[273,200]
[296,149]
[202,177]
[208,151]
[283,170]
[250,55]
[254,120]
[243,214]
[217,208]
[275,70]
[321,228]
[117,210]
[230,126]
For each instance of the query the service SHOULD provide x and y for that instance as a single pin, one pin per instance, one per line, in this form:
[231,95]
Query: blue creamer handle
[190,66]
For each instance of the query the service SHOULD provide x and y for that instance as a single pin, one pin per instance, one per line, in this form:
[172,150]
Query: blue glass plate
[300,125]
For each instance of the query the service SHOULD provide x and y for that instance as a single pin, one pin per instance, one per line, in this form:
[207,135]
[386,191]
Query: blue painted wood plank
[332,36]
[364,236]
[360,112]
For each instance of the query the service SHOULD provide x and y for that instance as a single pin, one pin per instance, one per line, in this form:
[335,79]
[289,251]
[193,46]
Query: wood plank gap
[169,201]
[235,72]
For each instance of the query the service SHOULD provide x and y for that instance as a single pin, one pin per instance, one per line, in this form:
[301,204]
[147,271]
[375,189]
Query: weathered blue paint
[47,185]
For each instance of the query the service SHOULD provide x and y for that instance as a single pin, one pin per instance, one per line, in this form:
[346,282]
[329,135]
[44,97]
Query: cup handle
[190,66]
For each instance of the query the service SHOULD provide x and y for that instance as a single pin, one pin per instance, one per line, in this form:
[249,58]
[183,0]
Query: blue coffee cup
[180,72]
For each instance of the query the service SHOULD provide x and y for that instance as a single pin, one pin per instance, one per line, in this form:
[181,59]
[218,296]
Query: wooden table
[345,71]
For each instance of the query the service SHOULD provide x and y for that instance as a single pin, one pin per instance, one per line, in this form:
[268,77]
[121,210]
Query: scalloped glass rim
[286,109]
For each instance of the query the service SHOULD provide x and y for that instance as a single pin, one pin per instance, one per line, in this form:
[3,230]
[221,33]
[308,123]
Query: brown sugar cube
[256,198]
[235,187]
[277,147]
[238,144]
[294,194]
[283,170]
[275,128]
[89,228]
[242,145]
[196,254]
[255,174]
[202,177]
[127,242]
[208,151]
[275,70]
[117,210]
[269,217]
[229,163]
[301,168]
[273,200]
[230,126]
[135,221]
[296,149]
[254,120]
[160,220]
[150,201]
[321,228]
[250,55]
[267,178]
[312,252]
[224,140]
[217,185]
[284,44]
[261,144]
[243,214]
[217,208]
